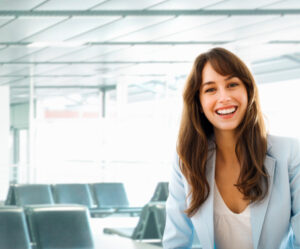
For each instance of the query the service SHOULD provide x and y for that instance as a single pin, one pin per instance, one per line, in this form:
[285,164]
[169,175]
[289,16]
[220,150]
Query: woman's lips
[226,111]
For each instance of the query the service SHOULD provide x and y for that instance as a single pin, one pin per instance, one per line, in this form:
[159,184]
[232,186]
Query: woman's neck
[226,143]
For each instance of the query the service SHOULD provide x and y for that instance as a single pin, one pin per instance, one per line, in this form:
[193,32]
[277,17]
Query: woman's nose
[224,95]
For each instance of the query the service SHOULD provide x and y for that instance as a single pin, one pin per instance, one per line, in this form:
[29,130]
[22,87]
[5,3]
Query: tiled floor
[104,241]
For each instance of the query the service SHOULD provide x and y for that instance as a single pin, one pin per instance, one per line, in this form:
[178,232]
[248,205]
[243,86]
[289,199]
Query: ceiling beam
[292,58]
[110,87]
[184,12]
[134,43]
[86,62]
[113,43]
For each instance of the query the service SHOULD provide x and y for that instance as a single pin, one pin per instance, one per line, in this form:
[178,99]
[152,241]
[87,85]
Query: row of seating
[101,198]
[45,227]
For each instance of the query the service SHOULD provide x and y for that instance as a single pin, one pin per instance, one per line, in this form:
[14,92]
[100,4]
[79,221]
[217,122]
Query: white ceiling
[75,45]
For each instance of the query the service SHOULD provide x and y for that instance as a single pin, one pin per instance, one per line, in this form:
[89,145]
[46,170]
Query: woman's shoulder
[274,140]
[283,146]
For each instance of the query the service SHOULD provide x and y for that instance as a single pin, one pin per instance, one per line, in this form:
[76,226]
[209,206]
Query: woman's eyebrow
[208,83]
[230,77]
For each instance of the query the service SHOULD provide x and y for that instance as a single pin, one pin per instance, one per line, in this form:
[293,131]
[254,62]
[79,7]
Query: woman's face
[223,99]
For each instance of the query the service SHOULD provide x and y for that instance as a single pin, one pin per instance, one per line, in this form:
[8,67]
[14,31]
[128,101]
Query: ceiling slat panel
[274,65]
[127,5]
[162,69]
[268,30]
[134,53]
[14,52]
[44,69]
[287,4]
[255,52]
[19,5]
[238,4]
[170,27]
[161,53]
[25,26]
[5,80]
[89,69]
[88,80]
[75,70]
[69,4]
[47,54]
[71,28]
[90,53]
[4,20]
[11,69]
[118,28]
[225,25]
[179,4]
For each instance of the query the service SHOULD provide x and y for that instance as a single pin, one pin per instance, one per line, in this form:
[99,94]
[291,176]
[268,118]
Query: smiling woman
[230,178]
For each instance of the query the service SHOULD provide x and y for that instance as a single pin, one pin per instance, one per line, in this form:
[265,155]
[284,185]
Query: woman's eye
[209,90]
[233,84]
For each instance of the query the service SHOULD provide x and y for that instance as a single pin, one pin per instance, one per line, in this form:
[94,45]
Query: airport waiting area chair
[13,228]
[110,195]
[161,192]
[73,193]
[28,194]
[60,226]
[76,193]
[113,196]
[151,224]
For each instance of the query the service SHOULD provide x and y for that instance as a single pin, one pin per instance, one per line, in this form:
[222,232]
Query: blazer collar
[258,209]
[203,218]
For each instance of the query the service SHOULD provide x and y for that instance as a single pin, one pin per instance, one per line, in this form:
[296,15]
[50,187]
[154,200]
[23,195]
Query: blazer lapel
[203,218]
[258,210]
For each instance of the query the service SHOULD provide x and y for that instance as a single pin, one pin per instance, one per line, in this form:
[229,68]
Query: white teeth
[226,111]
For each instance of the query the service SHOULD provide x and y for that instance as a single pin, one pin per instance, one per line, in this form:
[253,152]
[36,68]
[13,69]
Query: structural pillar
[31,170]
[103,97]
[122,99]
[4,141]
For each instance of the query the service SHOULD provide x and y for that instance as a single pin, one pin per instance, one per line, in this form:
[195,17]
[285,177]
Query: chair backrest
[110,195]
[60,226]
[159,213]
[13,228]
[28,194]
[73,194]
[161,192]
[152,220]
[10,198]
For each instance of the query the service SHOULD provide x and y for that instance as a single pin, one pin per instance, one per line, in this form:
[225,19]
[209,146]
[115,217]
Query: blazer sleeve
[294,179]
[179,229]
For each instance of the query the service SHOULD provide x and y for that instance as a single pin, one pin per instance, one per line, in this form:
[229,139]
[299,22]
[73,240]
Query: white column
[31,171]
[122,98]
[4,141]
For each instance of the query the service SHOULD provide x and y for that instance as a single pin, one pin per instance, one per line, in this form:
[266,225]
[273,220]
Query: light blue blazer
[275,220]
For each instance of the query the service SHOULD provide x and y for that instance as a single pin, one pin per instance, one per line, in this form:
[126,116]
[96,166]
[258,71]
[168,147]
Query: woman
[232,185]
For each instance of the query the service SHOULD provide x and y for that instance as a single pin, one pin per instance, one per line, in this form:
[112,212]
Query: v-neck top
[231,230]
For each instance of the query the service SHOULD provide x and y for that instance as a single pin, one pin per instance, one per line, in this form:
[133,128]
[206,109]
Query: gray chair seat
[13,228]
[60,226]
[29,194]
[73,193]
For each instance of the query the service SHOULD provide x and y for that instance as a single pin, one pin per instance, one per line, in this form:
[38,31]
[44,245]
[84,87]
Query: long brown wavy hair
[196,131]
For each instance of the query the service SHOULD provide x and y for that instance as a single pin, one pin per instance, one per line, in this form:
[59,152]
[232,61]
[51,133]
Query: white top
[231,230]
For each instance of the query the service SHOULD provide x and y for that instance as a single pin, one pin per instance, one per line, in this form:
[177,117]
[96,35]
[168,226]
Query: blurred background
[91,91]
